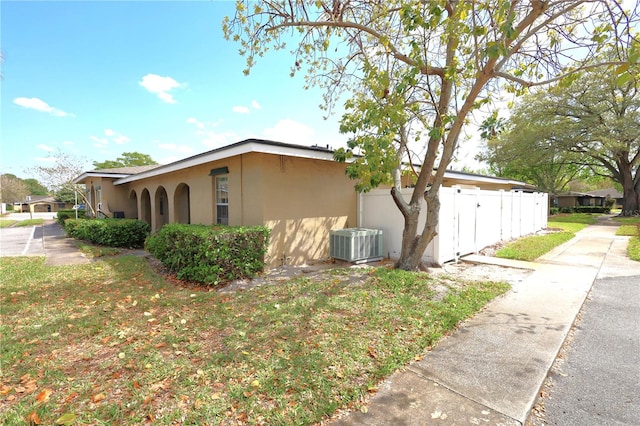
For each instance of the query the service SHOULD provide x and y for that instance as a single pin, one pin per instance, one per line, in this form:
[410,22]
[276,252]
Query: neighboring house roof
[608,192]
[33,199]
[578,194]
[117,172]
[472,177]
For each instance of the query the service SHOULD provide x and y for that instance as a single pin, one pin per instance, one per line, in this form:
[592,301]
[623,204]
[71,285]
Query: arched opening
[161,207]
[145,206]
[132,205]
[182,204]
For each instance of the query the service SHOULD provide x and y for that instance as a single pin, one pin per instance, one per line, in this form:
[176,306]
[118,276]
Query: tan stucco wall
[304,199]
[299,199]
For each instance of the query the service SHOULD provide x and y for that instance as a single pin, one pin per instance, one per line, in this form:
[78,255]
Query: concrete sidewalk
[491,369]
[58,249]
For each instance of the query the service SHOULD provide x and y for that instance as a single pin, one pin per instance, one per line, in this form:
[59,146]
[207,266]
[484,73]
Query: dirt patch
[450,274]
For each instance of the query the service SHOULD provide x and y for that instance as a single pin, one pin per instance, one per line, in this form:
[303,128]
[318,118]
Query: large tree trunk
[414,244]
[630,187]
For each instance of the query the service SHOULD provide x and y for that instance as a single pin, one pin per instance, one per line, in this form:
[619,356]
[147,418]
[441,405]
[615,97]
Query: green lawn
[30,222]
[5,223]
[532,247]
[631,227]
[112,342]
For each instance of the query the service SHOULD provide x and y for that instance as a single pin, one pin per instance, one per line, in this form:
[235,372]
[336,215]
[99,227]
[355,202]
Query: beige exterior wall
[299,199]
[303,200]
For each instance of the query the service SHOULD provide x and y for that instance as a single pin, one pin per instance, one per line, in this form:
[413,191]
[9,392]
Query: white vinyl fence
[470,220]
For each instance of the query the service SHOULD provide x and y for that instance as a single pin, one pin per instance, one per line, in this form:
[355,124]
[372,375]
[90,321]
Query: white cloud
[120,139]
[255,104]
[161,86]
[193,120]
[46,147]
[110,136]
[99,142]
[40,105]
[183,149]
[291,131]
[217,140]
[240,109]
[68,143]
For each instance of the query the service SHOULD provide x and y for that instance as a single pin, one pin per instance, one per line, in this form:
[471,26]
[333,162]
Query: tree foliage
[59,176]
[591,126]
[12,189]
[416,70]
[35,187]
[127,159]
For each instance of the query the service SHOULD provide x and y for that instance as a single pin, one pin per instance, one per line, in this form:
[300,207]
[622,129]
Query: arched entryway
[132,206]
[145,206]
[182,204]
[161,203]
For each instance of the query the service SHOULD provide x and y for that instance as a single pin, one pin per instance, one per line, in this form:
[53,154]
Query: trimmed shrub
[109,232]
[63,215]
[210,255]
[592,209]
[554,210]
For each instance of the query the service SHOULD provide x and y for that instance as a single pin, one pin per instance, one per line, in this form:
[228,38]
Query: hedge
[210,255]
[585,209]
[63,215]
[109,232]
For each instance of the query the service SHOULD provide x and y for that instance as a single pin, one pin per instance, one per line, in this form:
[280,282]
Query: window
[222,200]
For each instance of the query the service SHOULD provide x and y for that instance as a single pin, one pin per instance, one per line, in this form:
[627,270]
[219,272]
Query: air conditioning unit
[356,244]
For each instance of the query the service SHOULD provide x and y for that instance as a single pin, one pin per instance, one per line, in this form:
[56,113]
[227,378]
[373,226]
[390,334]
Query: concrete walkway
[491,369]
[58,249]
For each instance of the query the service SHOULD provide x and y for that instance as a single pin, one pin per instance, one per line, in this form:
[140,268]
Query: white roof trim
[232,151]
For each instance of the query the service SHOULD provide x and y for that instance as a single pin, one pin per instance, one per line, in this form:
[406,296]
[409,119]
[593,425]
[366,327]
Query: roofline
[94,173]
[243,147]
[482,178]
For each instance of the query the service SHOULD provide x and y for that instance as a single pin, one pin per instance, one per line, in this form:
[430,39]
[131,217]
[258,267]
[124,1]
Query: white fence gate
[470,219]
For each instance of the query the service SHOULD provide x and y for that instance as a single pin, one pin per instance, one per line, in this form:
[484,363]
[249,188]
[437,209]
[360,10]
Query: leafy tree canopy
[588,128]
[12,188]
[416,70]
[127,159]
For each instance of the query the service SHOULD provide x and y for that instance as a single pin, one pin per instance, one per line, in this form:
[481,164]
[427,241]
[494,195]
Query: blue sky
[96,79]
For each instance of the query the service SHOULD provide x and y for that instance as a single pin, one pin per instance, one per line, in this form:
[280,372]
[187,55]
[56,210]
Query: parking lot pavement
[22,241]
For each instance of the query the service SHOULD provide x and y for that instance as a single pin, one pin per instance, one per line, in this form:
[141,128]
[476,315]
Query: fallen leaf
[33,418]
[98,397]
[70,397]
[66,419]
[4,389]
[255,383]
[44,395]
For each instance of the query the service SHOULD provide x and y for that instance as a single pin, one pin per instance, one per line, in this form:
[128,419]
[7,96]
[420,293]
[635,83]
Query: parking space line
[26,247]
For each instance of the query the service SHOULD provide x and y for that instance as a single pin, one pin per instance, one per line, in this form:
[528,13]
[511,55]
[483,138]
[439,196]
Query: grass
[532,247]
[30,222]
[114,343]
[630,226]
[5,223]
[93,251]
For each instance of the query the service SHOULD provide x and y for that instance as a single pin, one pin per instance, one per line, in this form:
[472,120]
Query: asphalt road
[599,382]
[21,241]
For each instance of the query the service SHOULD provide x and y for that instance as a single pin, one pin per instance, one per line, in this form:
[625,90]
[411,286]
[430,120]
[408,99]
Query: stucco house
[299,192]
[608,193]
[576,199]
[39,204]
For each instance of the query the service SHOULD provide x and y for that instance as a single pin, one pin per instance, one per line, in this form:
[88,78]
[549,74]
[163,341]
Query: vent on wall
[355,244]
